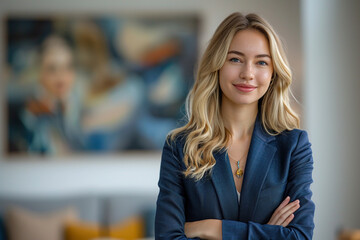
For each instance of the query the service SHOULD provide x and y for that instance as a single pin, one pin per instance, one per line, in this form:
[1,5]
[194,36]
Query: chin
[245,100]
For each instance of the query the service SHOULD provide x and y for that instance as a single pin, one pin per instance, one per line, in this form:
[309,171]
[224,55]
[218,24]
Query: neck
[239,119]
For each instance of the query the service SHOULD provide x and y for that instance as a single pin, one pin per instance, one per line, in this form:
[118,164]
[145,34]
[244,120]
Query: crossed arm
[212,228]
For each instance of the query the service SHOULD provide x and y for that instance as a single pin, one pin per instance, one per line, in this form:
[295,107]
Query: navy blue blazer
[276,167]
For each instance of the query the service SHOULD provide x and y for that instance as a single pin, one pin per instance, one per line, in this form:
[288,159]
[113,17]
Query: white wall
[332,110]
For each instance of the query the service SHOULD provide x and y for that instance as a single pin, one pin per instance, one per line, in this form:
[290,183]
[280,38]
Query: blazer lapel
[260,156]
[225,188]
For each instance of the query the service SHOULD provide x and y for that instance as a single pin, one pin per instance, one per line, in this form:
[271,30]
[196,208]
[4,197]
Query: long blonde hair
[205,131]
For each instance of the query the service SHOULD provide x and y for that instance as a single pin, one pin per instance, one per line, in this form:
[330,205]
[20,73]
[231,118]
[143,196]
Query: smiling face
[246,74]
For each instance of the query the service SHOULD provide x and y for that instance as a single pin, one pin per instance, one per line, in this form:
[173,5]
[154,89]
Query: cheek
[223,81]
[226,75]
[264,82]
[264,78]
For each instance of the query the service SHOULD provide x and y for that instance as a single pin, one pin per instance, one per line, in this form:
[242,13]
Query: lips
[245,87]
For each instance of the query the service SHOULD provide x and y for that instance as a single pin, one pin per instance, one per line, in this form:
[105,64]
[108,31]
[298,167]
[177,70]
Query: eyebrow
[242,54]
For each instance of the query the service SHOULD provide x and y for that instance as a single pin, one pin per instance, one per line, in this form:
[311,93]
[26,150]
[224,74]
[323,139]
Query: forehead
[250,41]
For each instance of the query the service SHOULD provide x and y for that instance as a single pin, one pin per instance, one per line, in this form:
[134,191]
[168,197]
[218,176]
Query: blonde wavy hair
[205,131]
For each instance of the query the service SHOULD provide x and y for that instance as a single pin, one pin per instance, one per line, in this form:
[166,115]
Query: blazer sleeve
[170,206]
[298,187]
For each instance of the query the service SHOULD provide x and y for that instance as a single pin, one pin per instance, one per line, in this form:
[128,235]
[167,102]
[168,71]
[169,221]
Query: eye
[234,60]
[262,63]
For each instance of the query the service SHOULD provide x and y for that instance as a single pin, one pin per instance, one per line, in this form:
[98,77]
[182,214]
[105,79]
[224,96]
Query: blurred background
[126,61]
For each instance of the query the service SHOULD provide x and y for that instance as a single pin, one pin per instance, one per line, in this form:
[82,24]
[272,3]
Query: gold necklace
[239,172]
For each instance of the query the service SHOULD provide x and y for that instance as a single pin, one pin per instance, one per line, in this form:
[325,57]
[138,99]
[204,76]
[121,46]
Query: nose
[246,72]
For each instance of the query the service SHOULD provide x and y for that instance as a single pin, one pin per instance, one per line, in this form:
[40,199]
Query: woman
[231,171]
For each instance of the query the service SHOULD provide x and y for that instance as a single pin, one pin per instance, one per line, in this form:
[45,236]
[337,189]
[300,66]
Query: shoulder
[173,154]
[293,134]
[176,141]
[293,139]
[175,144]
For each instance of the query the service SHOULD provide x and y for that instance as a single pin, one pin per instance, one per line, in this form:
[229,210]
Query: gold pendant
[239,173]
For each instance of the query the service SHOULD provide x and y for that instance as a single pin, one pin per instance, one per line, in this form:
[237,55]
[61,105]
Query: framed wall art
[96,83]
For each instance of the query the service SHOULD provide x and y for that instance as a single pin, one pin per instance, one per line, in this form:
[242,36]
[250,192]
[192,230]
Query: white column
[331,35]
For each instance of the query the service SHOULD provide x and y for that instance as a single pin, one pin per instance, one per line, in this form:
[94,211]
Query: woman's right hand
[284,214]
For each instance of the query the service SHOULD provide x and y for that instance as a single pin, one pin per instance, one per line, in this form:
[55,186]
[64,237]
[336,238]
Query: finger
[288,220]
[283,204]
[283,213]
[289,206]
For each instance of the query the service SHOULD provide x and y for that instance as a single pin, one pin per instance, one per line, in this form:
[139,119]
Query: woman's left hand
[204,229]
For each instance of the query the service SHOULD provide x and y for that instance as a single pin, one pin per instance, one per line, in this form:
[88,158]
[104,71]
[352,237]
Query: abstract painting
[96,83]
